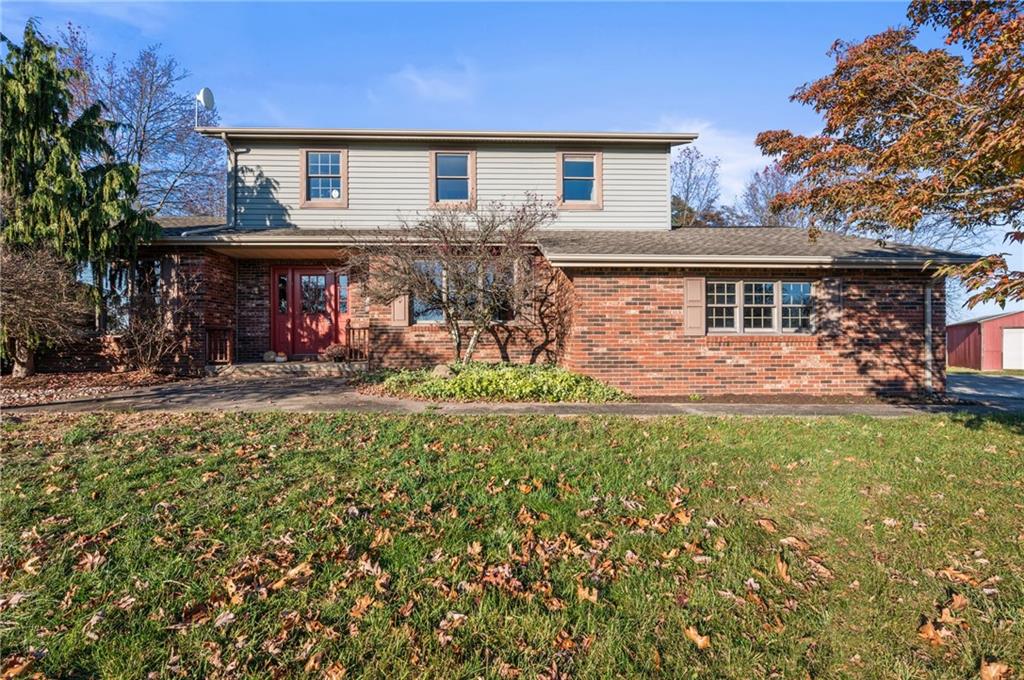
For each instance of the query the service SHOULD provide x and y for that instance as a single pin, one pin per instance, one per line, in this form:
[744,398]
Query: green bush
[500,382]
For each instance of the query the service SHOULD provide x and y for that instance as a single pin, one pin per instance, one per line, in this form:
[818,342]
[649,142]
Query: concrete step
[288,368]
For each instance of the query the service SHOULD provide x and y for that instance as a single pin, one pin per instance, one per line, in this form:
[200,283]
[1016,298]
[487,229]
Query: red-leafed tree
[912,136]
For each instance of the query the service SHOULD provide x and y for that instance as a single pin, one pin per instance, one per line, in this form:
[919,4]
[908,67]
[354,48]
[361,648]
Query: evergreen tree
[50,197]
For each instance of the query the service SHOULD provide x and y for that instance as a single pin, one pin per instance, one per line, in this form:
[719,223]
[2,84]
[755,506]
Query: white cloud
[438,84]
[736,150]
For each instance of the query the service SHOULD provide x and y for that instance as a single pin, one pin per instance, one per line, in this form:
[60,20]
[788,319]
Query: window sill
[594,207]
[769,338]
[330,205]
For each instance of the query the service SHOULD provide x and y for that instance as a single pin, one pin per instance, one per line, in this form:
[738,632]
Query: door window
[313,289]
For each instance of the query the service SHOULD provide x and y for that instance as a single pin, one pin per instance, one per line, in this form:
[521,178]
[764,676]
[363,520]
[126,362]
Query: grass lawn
[277,545]
[1006,371]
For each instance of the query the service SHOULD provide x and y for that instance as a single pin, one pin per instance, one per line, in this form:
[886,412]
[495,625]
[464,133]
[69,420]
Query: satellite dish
[205,97]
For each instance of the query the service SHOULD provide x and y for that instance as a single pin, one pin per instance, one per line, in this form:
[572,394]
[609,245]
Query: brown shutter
[828,306]
[400,311]
[693,306]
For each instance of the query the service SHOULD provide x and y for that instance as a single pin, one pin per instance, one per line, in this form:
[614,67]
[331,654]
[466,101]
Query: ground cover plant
[479,381]
[274,545]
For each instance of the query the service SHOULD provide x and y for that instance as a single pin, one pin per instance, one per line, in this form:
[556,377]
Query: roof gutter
[672,138]
[755,261]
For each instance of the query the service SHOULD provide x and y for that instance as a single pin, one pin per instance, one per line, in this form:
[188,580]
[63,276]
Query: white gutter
[609,260]
[460,135]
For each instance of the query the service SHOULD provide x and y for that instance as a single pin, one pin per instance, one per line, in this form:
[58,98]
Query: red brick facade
[626,327]
[628,331]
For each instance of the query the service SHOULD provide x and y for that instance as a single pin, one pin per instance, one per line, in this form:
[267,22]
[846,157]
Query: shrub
[500,382]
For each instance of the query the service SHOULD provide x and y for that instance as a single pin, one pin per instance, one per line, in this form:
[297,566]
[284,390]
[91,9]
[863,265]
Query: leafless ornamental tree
[695,189]
[470,267]
[40,303]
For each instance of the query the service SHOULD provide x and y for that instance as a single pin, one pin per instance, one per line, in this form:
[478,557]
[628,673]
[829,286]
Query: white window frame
[776,329]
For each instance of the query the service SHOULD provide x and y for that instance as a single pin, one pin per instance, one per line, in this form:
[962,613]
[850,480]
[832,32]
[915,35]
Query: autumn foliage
[915,135]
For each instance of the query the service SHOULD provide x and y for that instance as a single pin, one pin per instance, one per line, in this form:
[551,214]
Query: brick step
[288,368]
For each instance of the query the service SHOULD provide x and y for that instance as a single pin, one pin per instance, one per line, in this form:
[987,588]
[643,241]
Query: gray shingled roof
[691,246]
[731,244]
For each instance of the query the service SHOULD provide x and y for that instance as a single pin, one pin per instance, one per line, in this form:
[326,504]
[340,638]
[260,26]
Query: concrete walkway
[318,394]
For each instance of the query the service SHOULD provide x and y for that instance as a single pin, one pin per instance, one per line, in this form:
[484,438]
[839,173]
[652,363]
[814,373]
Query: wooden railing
[358,342]
[219,344]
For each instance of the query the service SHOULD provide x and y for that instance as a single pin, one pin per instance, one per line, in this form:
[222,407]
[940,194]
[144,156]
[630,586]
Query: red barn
[988,343]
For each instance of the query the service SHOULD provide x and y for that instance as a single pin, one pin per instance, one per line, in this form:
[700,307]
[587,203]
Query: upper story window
[579,180]
[453,177]
[324,178]
[758,306]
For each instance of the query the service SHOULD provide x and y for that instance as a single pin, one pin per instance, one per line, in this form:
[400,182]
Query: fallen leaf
[362,604]
[795,543]
[994,670]
[702,641]
[767,524]
[782,568]
[935,635]
[585,593]
[335,672]
[295,574]
[223,619]
[958,602]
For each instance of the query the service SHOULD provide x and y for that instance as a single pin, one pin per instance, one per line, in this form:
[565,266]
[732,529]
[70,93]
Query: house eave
[569,261]
[355,134]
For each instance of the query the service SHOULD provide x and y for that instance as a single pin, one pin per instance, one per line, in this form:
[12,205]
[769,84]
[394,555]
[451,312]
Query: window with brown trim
[758,306]
[323,178]
[453,177]
[580,179]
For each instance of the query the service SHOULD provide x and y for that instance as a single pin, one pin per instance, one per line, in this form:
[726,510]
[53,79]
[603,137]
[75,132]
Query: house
[655,311]
[988,343]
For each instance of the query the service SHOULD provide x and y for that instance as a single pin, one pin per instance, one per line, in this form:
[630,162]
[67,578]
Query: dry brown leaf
[782,568]
[313,663]
[335,672]
[768,525]
[702,641]
[362,604]
[995,670]
[294,575]
[795,543]
[223,619]
[474,549]
[935,635]
[820,570]
[585,593]
[381,537]
[958,602]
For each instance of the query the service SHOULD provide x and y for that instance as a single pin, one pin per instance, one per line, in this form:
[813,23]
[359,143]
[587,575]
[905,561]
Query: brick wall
[628,331]
[531,339]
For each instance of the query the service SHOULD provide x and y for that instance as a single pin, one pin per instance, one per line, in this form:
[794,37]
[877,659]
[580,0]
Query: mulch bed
[45,388]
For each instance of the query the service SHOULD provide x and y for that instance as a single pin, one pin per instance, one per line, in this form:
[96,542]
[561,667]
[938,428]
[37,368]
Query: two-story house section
[655,311]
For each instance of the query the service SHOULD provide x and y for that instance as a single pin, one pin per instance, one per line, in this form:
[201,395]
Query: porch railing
[219,344]
[357,340]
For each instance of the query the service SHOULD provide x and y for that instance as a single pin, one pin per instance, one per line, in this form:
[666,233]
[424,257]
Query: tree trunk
[24,361]
[471,347]
[456,341]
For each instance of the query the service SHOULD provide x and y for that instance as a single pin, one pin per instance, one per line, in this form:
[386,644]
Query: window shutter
[828,306]
[400,311]
[693,306]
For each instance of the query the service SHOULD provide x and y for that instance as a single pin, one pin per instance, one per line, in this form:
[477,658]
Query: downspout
[929,354]
[232,195]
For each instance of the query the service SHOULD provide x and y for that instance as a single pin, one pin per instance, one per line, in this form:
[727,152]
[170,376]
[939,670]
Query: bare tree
[695,189]
[155,321]
[181,172]
[755,204]
[469,267]
[40,303]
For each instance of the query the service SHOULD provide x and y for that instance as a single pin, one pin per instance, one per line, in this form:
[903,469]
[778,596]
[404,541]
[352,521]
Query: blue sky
[724,70]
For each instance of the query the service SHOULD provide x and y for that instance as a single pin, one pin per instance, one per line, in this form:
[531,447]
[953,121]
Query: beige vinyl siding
[391,180]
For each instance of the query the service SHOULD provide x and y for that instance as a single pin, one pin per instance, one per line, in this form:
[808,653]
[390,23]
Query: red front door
[305,307]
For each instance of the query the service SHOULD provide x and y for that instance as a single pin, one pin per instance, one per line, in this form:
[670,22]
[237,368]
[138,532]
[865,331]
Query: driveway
[312,394]
[1001,390]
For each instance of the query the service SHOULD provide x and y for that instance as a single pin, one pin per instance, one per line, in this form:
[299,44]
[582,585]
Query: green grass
[276,545]
[499,382]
